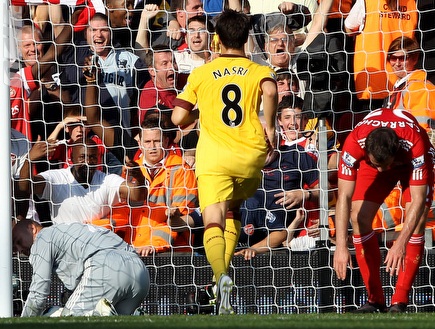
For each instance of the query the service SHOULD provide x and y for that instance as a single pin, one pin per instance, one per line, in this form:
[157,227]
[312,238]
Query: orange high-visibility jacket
[381,27]
[174,186]
[418,97]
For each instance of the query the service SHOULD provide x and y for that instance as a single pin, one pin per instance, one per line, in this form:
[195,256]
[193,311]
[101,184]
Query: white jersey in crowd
[20,147]
[118,70]
[71,202]
[65,249]
[185,62]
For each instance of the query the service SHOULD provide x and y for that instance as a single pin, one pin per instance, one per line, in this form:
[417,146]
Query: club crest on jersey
[122,63]
[418,162]
[348,159]
[12,92]
[249,229]
[270,217]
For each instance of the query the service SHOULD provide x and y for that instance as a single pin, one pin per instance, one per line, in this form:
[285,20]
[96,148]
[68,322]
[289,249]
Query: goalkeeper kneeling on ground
[105,273]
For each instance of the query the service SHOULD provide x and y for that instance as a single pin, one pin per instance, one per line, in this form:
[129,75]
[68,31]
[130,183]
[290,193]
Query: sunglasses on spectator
[394,58]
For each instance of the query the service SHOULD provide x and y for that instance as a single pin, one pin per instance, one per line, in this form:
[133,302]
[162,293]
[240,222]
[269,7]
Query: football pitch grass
[315,321]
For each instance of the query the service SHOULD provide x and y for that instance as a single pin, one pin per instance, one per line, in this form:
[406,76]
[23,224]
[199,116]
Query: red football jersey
[415,153]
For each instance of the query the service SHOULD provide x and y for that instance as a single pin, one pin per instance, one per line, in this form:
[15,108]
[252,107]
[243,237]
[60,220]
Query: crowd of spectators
[101,96]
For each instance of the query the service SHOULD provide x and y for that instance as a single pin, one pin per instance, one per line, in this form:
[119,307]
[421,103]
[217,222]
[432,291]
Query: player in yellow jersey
[226,94]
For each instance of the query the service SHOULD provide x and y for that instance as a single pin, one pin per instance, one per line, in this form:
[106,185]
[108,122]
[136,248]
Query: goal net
[296,276]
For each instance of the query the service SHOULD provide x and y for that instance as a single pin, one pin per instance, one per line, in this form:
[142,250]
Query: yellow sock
[231,234]
[214,245]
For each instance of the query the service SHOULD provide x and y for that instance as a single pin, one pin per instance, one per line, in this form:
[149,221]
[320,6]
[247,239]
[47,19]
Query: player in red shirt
[36,63]
[387,146]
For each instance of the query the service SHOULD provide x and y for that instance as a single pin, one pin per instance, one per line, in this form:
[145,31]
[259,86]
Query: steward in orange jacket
[172,185]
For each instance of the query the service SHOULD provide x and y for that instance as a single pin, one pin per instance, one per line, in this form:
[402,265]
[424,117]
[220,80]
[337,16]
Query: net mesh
[280,281]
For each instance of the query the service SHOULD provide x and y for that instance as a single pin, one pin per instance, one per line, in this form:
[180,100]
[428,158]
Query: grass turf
[307,321]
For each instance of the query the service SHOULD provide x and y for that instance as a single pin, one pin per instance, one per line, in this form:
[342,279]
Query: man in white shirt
[198,39]
[81,193]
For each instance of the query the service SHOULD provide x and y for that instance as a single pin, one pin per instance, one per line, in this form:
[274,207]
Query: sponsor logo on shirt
[418,162]
[348,159]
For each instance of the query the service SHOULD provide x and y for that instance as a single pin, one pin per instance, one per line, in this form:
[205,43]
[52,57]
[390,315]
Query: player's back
[414,141]
[403,122]
[228,92]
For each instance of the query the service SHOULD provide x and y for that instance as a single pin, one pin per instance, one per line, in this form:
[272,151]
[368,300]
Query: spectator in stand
[81,193]
[412,91]
[171,181]
[164,85]
[122,73]
[279,46]
[289,182]
[173,34]
[84,258]
[120,14]
[374,158]
[198,39]
[270,6]
[35,64]
[172,186]
[72,126]
[375,25]
[21,149]
[287,83]
[75,127]
[299,127]
[228,168]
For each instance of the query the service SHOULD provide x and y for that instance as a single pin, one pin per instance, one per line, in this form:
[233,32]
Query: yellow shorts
[215,189]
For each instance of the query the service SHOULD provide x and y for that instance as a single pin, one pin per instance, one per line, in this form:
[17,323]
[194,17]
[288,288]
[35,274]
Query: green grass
[307,321]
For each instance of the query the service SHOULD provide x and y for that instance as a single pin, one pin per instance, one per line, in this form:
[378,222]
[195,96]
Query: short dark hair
[160,48]
[158,118]
[204,20]
[100,16]
[382,143]
[290,101]
[233,27]
[178,5]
